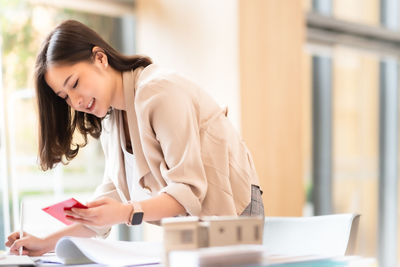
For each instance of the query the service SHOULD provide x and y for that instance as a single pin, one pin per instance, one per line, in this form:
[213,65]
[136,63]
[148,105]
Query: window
[187,236]
[239,233]
[353,79]
[256,232]
[358,11]
[23,27]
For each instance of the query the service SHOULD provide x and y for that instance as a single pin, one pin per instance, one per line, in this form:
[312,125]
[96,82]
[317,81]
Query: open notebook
[77,250]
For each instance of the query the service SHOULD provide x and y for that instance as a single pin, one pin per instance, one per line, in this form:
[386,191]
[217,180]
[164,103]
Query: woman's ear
[99,57]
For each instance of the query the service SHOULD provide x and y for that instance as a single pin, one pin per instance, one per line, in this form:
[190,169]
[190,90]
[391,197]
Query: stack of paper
[76,250]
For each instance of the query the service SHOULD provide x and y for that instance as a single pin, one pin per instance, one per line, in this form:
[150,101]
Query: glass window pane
[359,11]
[23,28]
[307,5]
[307,131]
[355,119]
[356,141]
[4,225]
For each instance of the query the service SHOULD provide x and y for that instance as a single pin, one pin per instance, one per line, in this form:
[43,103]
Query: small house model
[187,233]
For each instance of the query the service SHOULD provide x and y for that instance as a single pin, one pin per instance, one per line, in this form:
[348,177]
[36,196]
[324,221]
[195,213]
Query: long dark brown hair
[69,43]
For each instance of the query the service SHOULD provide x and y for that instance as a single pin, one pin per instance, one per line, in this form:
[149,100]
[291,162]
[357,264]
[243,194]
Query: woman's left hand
[104,211]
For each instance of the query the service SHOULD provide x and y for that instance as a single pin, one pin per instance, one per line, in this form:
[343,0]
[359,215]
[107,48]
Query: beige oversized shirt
[184,146]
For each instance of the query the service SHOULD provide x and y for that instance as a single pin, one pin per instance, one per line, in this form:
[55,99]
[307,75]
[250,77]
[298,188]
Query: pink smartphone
[57,210]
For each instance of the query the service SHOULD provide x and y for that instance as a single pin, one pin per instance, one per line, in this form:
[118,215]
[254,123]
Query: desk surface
[87,265]
[50,260]
[335,262]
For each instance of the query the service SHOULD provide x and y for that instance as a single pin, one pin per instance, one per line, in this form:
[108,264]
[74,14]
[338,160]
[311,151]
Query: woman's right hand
[32,245]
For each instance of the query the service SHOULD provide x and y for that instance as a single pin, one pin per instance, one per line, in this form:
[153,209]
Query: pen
[21,222]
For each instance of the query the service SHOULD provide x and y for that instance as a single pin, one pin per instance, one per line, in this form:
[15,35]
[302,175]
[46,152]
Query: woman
[169,148]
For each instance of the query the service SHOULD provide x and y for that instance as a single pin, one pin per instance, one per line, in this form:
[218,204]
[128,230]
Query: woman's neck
[118,100]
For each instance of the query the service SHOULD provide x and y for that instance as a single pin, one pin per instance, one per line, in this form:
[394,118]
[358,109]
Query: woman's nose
[76,101]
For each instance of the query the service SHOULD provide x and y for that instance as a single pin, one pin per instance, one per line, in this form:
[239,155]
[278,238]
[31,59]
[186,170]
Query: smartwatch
[136,216]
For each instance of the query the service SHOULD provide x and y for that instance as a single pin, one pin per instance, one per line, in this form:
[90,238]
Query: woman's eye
[76,84]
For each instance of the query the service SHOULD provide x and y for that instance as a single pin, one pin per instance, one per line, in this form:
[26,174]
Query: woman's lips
[91,104]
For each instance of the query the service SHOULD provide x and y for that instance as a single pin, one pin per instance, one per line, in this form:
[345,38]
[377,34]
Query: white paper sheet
[14,260]
[76,250]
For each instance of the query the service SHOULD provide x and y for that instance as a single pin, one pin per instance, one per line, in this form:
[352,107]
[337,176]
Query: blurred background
[312,86]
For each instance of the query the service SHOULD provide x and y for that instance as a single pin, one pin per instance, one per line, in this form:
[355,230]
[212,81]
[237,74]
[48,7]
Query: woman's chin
[101,114]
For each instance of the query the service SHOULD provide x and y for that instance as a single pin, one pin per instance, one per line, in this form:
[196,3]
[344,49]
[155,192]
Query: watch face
[137,218]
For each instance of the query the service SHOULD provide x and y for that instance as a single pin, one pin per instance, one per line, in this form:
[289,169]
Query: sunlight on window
[23,28]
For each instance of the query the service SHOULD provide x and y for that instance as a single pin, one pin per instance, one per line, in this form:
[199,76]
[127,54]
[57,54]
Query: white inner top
[137,193]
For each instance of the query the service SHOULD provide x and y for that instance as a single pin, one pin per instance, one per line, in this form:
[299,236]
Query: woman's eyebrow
[66,80]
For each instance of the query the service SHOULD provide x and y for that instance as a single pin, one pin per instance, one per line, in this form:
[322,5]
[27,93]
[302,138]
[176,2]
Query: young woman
[169,148]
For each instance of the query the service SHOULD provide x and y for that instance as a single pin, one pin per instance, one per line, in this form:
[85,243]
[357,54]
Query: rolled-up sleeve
[168,118]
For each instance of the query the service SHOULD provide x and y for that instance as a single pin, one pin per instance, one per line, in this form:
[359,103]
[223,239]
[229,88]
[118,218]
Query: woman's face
[85,86]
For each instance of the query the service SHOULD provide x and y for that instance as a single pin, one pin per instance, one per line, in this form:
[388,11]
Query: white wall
[198,39]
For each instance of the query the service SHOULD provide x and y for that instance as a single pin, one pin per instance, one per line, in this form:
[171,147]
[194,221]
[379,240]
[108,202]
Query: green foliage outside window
[20,39]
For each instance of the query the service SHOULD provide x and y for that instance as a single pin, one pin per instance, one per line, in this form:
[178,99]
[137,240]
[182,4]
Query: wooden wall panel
[271,40]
